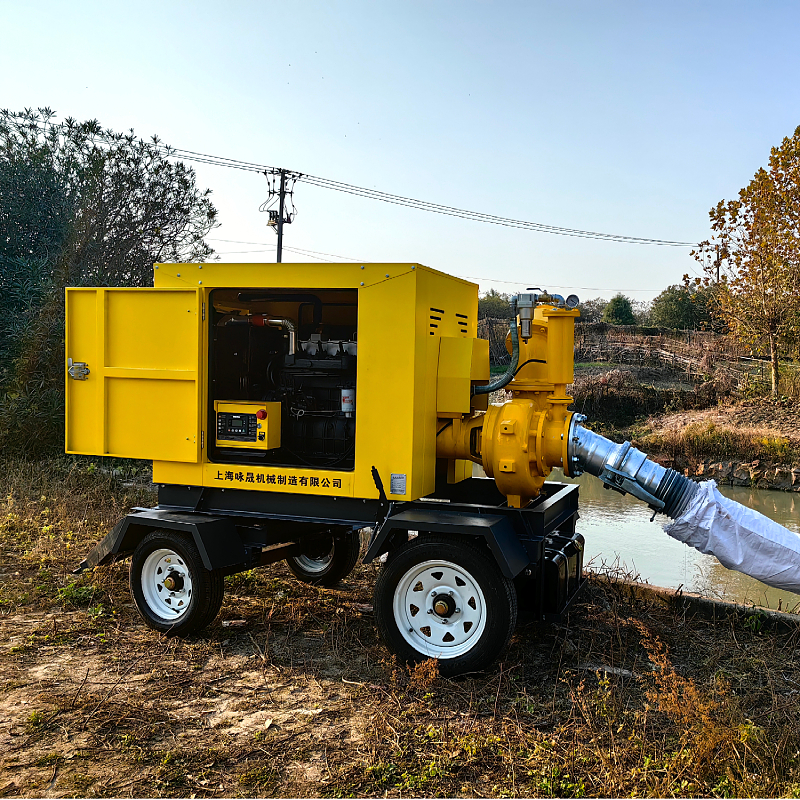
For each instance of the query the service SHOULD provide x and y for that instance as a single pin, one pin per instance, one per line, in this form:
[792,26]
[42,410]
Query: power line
[270,248]
[464,277]
[222,161]
[477,216]
[421,205]
[293,249]
[560,285]
[238,241]
[308,254]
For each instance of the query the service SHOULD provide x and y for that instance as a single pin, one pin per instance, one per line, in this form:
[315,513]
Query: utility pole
[280,216]
[281,198]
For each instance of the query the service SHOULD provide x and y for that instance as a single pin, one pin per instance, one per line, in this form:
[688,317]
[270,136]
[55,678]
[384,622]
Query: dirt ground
[299,697]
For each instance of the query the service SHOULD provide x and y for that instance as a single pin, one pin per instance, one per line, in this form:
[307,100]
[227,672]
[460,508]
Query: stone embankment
[756,474]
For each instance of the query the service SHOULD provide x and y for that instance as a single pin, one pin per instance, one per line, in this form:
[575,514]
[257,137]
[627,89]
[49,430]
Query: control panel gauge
[248,423]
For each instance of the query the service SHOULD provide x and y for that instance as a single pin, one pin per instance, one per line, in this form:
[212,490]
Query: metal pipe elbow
[289,326]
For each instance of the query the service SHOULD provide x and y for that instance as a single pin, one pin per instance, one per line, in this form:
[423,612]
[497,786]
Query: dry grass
[51,513]
[620,396]
[627,699]
[707,440]
[789,384]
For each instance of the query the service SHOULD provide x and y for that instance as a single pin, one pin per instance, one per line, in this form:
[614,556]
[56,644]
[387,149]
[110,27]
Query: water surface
[619,534]
[620,537]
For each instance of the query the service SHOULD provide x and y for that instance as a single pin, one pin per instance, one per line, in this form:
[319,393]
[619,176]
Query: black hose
[444,427]
[288,297]
[508,375]
[529,361]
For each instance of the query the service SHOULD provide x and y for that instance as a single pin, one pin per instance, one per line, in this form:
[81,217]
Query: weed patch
[698,441]
[618,398]
[76,595]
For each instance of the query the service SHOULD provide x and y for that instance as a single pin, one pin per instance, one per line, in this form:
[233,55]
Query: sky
[622,117]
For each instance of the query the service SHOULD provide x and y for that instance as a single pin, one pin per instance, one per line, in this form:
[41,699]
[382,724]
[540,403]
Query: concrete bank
[756,474]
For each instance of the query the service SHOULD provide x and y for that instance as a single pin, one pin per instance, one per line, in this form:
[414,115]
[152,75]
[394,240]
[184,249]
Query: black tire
[198,597]
[330,560]
[469,575]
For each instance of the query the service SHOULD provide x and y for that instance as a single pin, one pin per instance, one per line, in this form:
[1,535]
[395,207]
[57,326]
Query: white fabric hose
[740,538]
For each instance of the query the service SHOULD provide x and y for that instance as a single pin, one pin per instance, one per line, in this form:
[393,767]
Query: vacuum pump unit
[289,407]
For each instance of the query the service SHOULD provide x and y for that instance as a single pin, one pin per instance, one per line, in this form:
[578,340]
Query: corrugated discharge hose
[741,539]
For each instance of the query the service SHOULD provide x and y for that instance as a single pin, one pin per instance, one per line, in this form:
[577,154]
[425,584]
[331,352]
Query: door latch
[78,370]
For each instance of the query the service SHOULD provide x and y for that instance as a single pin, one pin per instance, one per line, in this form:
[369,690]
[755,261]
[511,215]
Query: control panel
[247,423]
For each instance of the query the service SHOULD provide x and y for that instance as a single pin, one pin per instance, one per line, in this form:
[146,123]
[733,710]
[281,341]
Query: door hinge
[78,370]
[202,439]
[204,311]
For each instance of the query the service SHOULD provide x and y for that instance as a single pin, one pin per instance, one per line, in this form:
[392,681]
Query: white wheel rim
[314,565]
[169,601]
[431,585]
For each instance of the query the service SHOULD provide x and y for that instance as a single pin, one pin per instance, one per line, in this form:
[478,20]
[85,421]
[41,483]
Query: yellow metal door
[133,373]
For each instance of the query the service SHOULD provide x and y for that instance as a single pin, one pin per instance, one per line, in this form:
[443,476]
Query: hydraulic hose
[508,375]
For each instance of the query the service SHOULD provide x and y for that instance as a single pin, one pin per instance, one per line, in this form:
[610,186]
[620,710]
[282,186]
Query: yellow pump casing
[145,392]
[526,437]
[519,441]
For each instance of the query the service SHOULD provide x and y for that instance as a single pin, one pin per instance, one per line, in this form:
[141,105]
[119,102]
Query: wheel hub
[166,584]
[439,609]
[174,581]
[443,605]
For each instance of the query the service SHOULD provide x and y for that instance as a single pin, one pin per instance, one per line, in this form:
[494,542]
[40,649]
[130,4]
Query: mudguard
[498,530]
[216,538]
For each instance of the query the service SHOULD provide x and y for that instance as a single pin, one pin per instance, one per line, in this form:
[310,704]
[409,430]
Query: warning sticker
[398,483]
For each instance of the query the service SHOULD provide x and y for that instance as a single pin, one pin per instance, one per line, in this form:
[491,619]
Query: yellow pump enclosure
[142,381]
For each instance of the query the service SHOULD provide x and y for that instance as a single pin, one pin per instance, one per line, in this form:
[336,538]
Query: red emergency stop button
[261,414]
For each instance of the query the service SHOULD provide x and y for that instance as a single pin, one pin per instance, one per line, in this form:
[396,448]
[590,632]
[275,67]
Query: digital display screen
[237,427]
[237,424]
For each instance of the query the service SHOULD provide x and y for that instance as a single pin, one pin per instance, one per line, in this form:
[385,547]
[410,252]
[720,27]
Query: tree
[592,310]
[683,307]
[619,311]
[673,308]
[494,305]
[79,206]
[641,311]
[758,234]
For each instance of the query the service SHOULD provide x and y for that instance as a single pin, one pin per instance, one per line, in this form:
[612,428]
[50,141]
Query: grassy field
[301,699]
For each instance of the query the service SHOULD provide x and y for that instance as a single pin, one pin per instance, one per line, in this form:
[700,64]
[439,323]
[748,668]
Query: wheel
[328,560]
[173,591]
[444,597]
